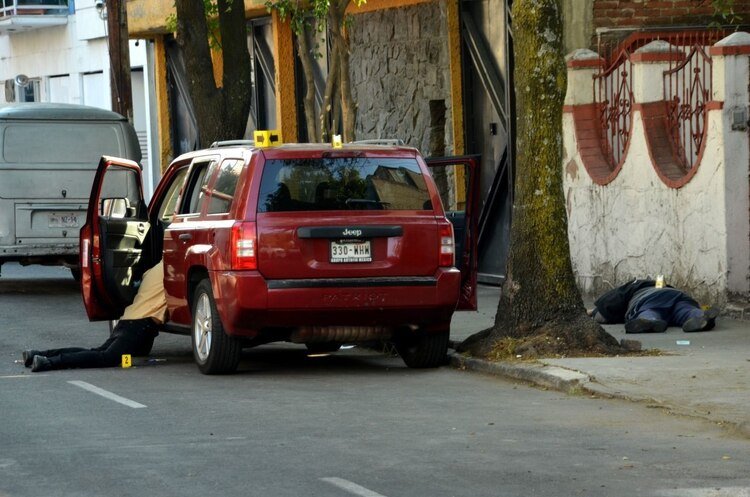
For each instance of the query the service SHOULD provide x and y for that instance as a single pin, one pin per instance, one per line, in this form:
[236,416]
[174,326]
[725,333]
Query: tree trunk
[221,112]
[236,69]
[327,109]
[348,107]
[307,59]
[540,297]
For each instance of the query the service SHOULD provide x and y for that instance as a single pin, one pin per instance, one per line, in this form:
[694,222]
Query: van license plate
[344,251]
[67,220]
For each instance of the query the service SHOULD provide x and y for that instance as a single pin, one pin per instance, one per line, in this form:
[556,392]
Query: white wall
[72,63]
[95,90]
[697,235]
[58,89]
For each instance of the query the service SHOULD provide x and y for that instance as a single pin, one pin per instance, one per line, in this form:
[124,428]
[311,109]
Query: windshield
[61,143]
[343,183]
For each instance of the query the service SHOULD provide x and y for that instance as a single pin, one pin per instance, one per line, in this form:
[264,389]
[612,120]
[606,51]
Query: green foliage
[307,15]
[211,8]
[724,13]
[300,16]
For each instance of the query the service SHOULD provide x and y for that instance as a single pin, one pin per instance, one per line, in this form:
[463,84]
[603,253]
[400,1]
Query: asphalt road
[350,424]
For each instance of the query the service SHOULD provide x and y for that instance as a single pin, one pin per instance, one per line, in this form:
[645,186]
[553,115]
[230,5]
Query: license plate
[66,220]
[344,251]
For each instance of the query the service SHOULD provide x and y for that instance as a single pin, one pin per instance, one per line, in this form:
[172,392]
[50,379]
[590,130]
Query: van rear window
[60,143]
[342,183]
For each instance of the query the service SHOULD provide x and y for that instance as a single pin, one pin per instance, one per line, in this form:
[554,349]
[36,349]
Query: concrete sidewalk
[706,375]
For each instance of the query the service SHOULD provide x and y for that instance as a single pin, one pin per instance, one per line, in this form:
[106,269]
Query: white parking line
[351,487]
[705,492]
[15,376]
[107,395]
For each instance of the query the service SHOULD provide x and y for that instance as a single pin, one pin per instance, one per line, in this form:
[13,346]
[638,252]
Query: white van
[48,157]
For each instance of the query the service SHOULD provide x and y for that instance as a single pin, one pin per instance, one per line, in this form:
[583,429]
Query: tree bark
[348,106]
[327,109]
[540,296]
[307,59]
[221,112]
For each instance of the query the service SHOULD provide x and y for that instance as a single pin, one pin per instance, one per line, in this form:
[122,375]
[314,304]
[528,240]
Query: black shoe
[697,323]
[40,363]
[711,314]
[641,325]
[702,323]
[28,357]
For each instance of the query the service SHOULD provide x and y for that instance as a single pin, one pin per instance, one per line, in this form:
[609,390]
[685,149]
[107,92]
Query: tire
[75,272]
[423,350]
[214,351]
[323,347]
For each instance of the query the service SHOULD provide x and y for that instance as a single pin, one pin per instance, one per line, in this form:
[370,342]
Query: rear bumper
[248,303]
[35,252]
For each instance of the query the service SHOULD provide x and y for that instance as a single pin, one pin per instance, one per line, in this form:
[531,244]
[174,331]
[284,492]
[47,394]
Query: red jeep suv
[307,243]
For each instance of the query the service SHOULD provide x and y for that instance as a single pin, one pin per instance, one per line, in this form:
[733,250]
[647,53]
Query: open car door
[457,179]
[113,239]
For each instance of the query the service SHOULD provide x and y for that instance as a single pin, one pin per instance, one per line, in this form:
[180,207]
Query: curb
[540,374]
[570,381]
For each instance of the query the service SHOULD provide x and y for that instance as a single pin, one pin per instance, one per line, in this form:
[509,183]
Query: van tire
[423,350]
[214,351]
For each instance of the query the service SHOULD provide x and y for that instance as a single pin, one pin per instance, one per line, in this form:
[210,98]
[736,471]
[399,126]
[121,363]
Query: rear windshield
[60,143]
[343,183]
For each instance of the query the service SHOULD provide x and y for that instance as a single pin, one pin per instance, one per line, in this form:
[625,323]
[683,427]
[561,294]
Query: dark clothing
[666,304]
[130,336]
[613,305]
[646,309]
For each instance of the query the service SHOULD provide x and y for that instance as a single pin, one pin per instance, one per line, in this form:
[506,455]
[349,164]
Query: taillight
[447,257]
[244,246]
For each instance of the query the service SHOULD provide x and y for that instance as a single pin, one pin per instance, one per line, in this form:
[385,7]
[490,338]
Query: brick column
[583,65]
[649,64]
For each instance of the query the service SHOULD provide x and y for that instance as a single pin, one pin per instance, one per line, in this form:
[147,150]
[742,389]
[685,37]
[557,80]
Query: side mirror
[116,208]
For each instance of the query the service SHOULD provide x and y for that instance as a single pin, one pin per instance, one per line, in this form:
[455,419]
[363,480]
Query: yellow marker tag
[336,142]
[126,361]
[266,138]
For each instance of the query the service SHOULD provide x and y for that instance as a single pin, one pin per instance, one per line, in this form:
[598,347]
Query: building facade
[433,73]
[57,51]
[657,151]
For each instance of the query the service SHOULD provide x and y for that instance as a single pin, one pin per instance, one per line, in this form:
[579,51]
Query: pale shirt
[150,301]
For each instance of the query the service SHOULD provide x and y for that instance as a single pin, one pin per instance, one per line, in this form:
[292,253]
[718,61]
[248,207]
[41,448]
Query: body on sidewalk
[646,308]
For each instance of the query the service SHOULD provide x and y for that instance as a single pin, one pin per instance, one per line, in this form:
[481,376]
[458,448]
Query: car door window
[222,192]
[120,194]
[197,187]
[169,201]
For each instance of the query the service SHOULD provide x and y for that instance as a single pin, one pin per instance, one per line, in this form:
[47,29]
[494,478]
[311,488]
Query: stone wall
[400,76]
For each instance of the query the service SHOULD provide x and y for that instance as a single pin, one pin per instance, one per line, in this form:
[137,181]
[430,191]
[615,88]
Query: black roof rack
[392,142]
[233,143]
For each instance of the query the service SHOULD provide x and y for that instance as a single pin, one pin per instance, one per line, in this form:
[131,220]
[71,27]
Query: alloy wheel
[202,328]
